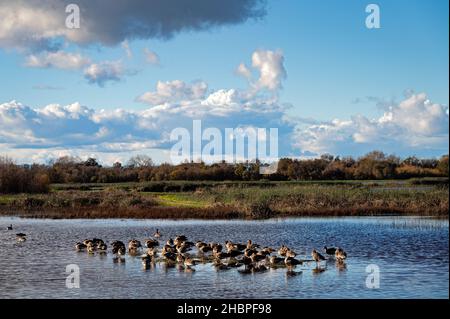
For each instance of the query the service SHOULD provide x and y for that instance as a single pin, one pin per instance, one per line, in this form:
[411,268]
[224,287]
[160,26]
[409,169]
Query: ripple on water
[412,254]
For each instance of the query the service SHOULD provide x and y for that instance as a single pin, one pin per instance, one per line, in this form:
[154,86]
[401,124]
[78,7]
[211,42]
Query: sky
[135,70]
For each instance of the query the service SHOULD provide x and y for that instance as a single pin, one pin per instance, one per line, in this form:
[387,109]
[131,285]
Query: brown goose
[317,257]
[340,254]
[329,250]
[80,246]
[290,262]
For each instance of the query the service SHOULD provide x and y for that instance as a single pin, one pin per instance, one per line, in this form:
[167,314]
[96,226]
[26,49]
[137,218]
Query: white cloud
[415,125]
[58,59]
[173,91]
[243,70]
[105,71]
[270,65]
[151,57]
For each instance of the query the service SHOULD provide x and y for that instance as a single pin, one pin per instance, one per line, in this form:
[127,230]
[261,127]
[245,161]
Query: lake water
[412,255]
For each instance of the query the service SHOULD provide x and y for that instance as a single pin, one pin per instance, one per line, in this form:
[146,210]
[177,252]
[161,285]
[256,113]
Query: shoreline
[211,214]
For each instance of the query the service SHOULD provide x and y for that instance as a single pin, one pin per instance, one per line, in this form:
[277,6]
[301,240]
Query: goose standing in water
[80,246]
[9,227]
[317,256]
[329,250]
[283,250]
[157,234]
[340,254]
[21,237]
[118,249]
[292,262]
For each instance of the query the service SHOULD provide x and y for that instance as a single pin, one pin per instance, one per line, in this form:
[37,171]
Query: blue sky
[336,68]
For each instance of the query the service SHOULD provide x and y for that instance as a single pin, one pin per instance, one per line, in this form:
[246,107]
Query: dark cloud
[42,23]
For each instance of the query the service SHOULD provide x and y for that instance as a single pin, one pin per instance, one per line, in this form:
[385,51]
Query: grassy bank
[247,200]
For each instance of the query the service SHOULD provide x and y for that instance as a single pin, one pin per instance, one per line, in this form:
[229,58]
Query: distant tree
[139,161]
[443,165]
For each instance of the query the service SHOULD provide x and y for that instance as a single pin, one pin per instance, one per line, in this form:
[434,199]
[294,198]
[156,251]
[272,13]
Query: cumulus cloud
[59,59]
[270,68]
[106,71]
[36,24]
[173,91]
[243,70]
[151,56]
[415,125]
[270,65]
[84,130]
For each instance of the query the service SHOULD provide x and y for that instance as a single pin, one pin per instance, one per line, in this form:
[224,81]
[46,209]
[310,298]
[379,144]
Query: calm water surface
[411,253]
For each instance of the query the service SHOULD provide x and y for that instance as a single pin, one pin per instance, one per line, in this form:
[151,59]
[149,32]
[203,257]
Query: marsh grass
[231,200]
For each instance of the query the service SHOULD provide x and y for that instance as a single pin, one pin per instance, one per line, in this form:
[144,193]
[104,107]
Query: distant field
[250,200]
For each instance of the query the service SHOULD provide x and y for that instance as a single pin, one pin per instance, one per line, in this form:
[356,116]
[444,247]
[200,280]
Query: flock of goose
[180,252]
[21,237]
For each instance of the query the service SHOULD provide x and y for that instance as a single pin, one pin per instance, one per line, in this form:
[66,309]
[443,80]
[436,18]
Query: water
[411,253]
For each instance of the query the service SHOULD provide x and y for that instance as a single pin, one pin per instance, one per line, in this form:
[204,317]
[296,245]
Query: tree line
[36,178]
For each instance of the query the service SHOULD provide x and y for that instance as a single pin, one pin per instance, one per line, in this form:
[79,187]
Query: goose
[234,253]
[21,237]
[317,257]
[274,260]
[179,239]
[102,248]
[157,234]
[221,255]
[239,246]
[167,249]
[146,261]
[250,245]
[340,254]
[151,243]
[87,241]
[268,250]
[247,270]
[9,227]
[260,268]
[255,258]
[180,259]
[80,246]
[188,262]
[91,248]
[249,252]
[118,248]
[97,241]
[291,253]
[169,242]
[217,249]
[283,250]
[205,249]
[290,261]
[170,257]
[329,250]
[152,252]
[219,265]
[199,244]
[233,262]
[182,248]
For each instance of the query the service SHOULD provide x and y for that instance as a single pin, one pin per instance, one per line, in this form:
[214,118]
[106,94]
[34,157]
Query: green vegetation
[219,200]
